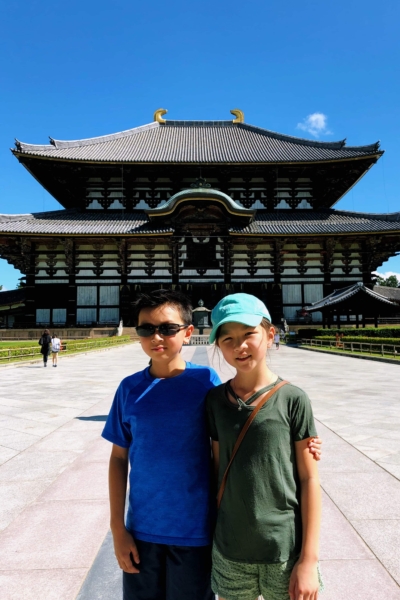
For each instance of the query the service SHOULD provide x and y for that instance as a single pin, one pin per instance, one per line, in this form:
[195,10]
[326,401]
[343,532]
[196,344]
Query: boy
[157,422]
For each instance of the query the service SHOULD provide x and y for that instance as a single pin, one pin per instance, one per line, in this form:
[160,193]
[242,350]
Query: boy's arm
[124,544]
[304,579]
[314,446]
[215,454]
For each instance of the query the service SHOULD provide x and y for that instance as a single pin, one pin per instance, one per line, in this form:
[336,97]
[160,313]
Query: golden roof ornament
[239,114]
[158,115]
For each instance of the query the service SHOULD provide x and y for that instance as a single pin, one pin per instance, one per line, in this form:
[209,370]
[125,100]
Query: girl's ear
[270,336]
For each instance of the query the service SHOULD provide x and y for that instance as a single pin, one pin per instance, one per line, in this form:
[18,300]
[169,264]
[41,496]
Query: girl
[266,537]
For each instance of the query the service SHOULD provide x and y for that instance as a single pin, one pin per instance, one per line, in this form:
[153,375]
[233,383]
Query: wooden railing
[199,340]
[360,347]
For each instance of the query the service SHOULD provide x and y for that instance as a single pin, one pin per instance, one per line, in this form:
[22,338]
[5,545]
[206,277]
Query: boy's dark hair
[161,297]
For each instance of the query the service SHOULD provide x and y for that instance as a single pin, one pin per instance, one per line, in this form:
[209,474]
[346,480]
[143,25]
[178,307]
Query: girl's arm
[124,544]
[304,579]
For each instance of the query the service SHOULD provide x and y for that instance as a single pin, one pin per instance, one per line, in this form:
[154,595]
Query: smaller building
[354,304]
[391,293]
[12,306]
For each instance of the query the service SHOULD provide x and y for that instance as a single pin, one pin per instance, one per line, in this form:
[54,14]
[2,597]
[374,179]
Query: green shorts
[246,581]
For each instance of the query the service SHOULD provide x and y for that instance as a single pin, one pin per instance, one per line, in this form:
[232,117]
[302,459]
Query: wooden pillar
[227,255]
[28,267]
[175,254]
[71,268]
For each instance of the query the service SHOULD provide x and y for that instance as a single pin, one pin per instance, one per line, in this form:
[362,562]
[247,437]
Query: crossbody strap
[241,435]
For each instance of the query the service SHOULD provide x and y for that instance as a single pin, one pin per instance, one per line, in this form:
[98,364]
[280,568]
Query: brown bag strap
[241,435]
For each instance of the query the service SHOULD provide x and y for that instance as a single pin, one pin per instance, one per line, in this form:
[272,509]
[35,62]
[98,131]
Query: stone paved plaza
[54,540]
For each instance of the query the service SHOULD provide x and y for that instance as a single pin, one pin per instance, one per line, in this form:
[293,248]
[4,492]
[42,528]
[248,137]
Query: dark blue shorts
[170,573]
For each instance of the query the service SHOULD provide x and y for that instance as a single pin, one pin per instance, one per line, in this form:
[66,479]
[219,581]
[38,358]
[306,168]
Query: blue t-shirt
[163,423]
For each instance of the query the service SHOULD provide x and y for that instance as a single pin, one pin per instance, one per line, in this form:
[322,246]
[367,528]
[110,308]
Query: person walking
[277,339]
[269,499]
[55,348]
[45,342]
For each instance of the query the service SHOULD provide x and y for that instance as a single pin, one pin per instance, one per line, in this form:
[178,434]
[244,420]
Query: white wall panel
[291,294]
[86,295]
[313,292]
[59,316]
[109,295]
[289,312]
[43,315]
[85,316]
[109,315]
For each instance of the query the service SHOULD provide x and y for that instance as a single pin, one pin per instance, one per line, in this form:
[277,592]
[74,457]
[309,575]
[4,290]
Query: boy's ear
[188,334]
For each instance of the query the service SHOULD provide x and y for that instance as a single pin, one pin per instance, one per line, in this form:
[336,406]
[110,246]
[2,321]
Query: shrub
[367,332]
[360,339]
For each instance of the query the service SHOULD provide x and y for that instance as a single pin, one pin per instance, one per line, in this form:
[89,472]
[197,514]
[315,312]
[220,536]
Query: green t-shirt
[259,520]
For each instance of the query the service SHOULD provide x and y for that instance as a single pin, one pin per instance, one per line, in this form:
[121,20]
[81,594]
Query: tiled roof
[343,294]
[391,293]
[283,222]
[197,142]
[10,297]
[327,221]
[74,222]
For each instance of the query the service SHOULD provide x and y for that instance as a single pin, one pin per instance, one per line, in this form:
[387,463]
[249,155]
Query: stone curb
[391,361]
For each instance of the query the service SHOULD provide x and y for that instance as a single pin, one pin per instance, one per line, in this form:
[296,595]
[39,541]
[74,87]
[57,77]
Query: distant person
[45,342]
[277,339]
[337,337]
[55,348]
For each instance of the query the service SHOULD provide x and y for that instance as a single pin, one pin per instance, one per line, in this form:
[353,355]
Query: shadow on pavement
[93,418]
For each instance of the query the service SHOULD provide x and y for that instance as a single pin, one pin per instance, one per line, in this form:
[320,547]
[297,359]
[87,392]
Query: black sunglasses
[166,329]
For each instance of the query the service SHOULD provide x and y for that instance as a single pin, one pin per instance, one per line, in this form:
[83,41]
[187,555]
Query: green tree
[390,281]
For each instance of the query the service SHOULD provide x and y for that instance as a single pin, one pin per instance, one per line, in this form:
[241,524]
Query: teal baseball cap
[238,308]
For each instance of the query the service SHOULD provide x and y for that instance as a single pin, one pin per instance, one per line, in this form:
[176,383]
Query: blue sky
[79,69]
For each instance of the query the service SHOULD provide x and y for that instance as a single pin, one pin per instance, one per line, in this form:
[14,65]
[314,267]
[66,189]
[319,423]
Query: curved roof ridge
[59,144]
[395,216]
[306,142]
[292,138]
[64,144]
[200,193]
[4,218]
[341,294]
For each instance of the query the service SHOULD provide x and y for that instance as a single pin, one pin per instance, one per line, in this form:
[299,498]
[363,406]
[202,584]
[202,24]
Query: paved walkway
[54,518]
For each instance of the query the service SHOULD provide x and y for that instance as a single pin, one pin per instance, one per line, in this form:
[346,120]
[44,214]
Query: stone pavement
[54,540]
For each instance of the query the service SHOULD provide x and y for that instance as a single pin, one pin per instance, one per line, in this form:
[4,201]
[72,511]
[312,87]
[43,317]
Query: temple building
[207,207]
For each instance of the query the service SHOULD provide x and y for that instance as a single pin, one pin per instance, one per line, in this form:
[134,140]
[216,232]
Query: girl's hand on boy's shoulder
[126,551]
[314,446]
[304,582]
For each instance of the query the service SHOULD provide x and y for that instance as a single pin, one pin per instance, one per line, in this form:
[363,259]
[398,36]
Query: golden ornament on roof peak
[239,114]
[158,115]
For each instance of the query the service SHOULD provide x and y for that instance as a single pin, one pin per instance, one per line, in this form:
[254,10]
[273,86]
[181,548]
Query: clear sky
[84,68]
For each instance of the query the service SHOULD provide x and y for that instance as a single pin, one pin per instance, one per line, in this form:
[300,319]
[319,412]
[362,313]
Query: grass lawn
[11,352]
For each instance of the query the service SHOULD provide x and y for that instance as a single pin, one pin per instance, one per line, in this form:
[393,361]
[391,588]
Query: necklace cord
[253,397]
